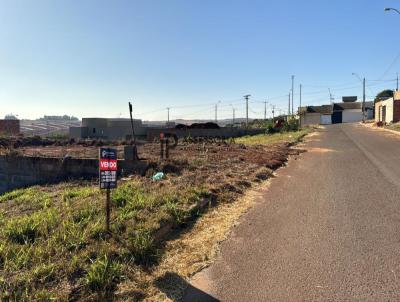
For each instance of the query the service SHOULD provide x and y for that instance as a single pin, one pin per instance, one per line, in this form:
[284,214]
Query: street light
[363,104]
[388,9]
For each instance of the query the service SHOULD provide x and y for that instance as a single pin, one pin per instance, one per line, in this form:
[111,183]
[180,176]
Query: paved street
[327,229]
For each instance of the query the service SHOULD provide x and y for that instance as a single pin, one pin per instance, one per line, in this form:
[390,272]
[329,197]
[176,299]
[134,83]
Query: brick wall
[396,111]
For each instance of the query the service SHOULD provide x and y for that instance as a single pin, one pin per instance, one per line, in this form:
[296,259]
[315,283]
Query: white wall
[352,115]
[326,119]
[389,111]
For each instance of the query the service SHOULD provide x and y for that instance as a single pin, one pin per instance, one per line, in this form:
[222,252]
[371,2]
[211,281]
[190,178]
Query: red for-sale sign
[108,167]
[108,164]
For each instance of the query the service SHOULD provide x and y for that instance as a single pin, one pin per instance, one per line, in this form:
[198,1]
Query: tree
[383,95]
[10,117]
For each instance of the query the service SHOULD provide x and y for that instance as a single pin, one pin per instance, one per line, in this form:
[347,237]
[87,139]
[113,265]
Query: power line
[390,66]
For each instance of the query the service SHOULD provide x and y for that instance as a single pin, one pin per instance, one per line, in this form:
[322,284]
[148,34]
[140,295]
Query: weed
[142,247]
[32,196]
[84,192]
[22,230]
[84,215]
[98,232]
[12,195]
[44,296]
[178,214]
[44,273]
[72,236]
[103,275]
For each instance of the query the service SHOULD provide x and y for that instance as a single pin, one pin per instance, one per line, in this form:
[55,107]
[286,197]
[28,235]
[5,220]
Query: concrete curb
[382,129]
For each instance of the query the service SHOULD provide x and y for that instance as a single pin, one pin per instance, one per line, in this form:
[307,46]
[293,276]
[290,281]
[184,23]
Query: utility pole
[331,98]
[292,92]
[233,116]
[300,108]
[168,114]
[265,110]
[288,109]
[397,89]
[247,109]
[273,113]
[216,111]
[363,104]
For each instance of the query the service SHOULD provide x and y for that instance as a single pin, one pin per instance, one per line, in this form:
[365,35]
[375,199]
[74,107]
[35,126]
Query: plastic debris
[158,176]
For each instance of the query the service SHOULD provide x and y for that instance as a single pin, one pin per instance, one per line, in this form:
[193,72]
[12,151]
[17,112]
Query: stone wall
[22,171]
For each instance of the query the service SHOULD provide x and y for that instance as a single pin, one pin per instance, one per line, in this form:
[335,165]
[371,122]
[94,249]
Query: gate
[337,117]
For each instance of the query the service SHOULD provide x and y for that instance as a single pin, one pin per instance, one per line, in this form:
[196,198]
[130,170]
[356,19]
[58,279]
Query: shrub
[291,125]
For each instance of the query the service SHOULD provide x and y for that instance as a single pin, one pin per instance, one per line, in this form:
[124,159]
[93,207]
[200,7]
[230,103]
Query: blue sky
[88,58]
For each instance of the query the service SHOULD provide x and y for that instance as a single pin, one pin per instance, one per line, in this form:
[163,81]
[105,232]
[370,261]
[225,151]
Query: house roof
[324,109]
[344,106]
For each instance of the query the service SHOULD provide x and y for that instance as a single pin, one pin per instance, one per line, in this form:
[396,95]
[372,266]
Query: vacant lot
[53,245]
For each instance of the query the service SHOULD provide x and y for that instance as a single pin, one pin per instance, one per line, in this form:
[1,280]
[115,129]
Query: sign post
[108,176]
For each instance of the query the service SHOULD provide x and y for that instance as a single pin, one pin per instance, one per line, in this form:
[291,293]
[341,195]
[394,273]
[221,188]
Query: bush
[291,125]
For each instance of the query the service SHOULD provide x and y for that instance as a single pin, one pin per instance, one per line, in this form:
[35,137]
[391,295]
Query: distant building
[108,129]
[316,115]
[348,111]
[388,110]
[9,127]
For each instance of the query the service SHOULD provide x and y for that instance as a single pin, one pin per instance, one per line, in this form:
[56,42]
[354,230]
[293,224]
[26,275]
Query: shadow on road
[174,285]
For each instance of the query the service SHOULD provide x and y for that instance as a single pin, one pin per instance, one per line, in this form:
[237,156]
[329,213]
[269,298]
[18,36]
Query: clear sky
[88,58]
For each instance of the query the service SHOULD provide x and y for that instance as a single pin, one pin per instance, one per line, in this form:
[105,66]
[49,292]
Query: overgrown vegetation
[275,138]
[53,244]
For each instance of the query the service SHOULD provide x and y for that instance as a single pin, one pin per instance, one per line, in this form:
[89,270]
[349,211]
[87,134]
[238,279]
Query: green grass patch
[103,275]
[275,138]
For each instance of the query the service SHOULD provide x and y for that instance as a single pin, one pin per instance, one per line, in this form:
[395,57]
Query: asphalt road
[327,229]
